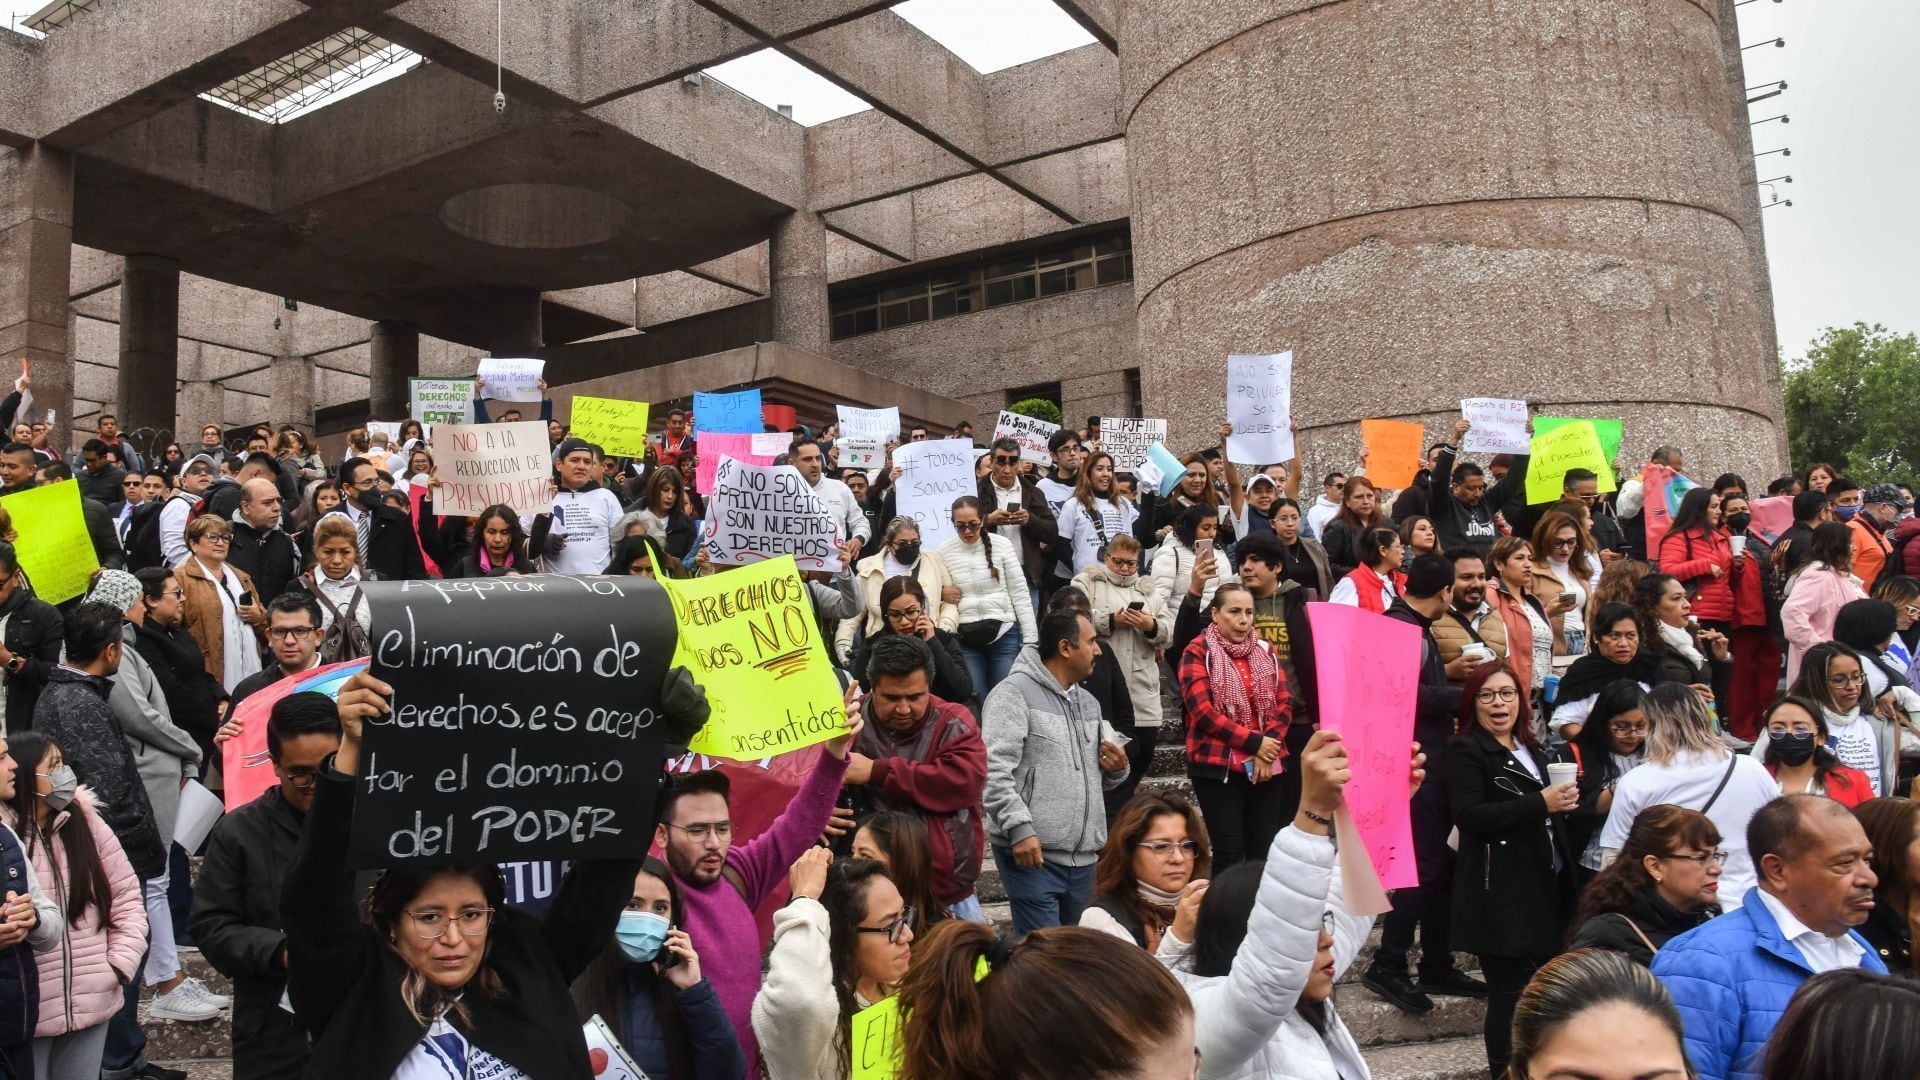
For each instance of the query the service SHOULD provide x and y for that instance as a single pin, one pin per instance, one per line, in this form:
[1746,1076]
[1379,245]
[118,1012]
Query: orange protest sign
[1393,451]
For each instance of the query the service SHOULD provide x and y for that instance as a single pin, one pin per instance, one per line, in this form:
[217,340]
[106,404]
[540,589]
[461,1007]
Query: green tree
[1038,409]
[1852,400]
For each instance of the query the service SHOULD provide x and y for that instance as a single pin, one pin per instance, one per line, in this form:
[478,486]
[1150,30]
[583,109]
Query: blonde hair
[199,527]
[335,527]
[1680,724]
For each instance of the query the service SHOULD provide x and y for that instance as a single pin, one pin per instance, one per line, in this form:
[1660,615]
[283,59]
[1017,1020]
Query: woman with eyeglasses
[1687,765]
[1613,655]
[1156,855]
[1833,677]
[647,987]
[1610,745]
[900,555]
[220,609]
[1260,948]
[1665,882]
[1514,885]
[1795,748]
[1870,628]
[1566,570]
[995,609]
[904,610]
[435,976]
[840,945]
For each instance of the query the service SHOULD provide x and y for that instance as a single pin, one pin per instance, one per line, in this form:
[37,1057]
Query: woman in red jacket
[1699,553]
[1756,637]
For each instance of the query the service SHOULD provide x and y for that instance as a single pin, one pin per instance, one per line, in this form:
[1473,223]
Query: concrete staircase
[1444,1044]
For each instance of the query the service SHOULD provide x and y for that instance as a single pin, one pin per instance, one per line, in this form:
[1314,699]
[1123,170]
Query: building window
[1005,279]
[1133,392]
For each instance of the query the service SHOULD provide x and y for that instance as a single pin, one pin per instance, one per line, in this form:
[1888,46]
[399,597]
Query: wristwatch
[15,663]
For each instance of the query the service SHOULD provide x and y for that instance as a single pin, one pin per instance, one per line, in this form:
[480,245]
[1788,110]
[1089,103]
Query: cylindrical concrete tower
[1434,199]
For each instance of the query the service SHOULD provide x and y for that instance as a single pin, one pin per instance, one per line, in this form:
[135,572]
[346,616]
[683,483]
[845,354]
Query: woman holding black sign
[422,988]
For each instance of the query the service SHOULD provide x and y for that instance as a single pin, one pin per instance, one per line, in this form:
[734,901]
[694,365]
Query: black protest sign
[525,720]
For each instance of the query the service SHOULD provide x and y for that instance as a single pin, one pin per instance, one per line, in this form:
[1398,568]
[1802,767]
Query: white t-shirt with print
[445,1054]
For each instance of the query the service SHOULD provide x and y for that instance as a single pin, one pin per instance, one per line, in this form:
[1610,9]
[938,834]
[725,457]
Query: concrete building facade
[1423,199]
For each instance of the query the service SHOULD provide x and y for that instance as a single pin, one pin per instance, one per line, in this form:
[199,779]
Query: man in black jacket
[388,545]
[1461,503]
[74,713]
[1427,906]
[99,477]
[1016,509]
[260,546]
[31,645]
[101,529]
[236,898]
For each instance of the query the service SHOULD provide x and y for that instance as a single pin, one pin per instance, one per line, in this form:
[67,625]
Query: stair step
[179,1040]
[1376,1022]
[204,1069]
[1442,1059]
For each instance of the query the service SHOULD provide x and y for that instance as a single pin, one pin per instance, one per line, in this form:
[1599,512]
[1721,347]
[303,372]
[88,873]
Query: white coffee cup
[1478,652]
[1561,772]
[1739,545]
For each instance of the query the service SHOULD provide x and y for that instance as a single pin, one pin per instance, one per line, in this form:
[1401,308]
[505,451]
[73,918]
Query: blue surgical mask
[1845,513]
[64,784]
[640,935]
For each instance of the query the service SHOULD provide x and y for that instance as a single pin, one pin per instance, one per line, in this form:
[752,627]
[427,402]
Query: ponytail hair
[966,502]
[1063,1002]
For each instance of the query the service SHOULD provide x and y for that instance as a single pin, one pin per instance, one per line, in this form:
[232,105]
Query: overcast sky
[1847,250]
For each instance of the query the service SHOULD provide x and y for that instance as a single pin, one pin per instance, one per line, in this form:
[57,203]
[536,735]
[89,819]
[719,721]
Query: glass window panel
[1054,282]
[894,315]
[1076,253]
[844,326]
[903,291]
[1113,268]
[1017,264]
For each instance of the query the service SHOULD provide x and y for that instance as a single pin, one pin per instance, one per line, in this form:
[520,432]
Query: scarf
[1591,673]
[1161,904]
[1680,641]
[1241,703]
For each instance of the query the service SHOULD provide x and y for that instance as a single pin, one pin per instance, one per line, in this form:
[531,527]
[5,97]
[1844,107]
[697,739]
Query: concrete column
[292,403]
[36,243]
[149,347]
[517,326]
[396,358]
[1380,223]
[200,403]
[797,283]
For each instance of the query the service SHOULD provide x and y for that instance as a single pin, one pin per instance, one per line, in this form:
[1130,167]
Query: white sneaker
[201,991]
[181,1003]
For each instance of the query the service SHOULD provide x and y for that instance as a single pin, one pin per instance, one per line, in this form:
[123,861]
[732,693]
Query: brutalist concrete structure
[1424,199]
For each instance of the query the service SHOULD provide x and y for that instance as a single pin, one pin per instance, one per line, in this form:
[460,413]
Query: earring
[1658,880]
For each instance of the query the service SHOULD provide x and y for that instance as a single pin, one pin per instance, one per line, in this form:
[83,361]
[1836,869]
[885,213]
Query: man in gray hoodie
[1050,757]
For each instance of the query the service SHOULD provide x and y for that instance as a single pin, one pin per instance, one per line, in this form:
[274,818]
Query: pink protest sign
[1771,517]
[1367,668]
[245,766]
[711,445]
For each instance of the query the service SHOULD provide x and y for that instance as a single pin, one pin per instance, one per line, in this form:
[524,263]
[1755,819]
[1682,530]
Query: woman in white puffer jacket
[1173,560]
[1260,960]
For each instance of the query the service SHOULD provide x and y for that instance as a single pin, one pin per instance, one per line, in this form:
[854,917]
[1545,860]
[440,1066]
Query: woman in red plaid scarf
[1237,715]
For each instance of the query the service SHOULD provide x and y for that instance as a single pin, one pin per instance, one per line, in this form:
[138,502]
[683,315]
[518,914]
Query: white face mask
[65,784]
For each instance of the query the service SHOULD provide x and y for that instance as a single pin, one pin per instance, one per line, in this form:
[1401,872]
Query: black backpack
[143,531]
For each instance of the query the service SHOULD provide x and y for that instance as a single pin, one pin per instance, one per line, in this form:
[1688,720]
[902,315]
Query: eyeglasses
[218,538]
[289,633]
[302,779]
[1855,679]
[1124,564]
[1910,611]
[967,526]
[907,615]
[720,830]
[1630,729]
[892,929]
[174,594]
[1488,697]
[1165,848]
[472,923]
[1701,859]
[1567,542]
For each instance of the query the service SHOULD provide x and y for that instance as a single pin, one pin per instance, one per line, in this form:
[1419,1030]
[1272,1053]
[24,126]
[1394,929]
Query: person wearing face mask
[648,989]
[1873,525]
[1755,626]
[384,538]
[236,894]
[1260,947]
[1834,678]
[79,861]
[1795,748]
[900,555]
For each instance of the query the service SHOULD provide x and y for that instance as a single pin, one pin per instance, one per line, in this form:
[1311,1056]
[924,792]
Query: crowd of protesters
[1659,777]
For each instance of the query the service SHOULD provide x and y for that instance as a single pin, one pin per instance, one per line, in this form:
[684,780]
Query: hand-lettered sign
[525,720]
[932,475]
[1368,669]
[1499,426]
[1260,407]
[479,465]
[760,512]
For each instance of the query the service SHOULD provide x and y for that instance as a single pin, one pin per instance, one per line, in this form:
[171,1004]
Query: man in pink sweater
[721,885]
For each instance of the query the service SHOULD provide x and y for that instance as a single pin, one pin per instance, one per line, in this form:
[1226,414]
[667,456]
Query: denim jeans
[990,665]
[1043,896]
[968,909]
